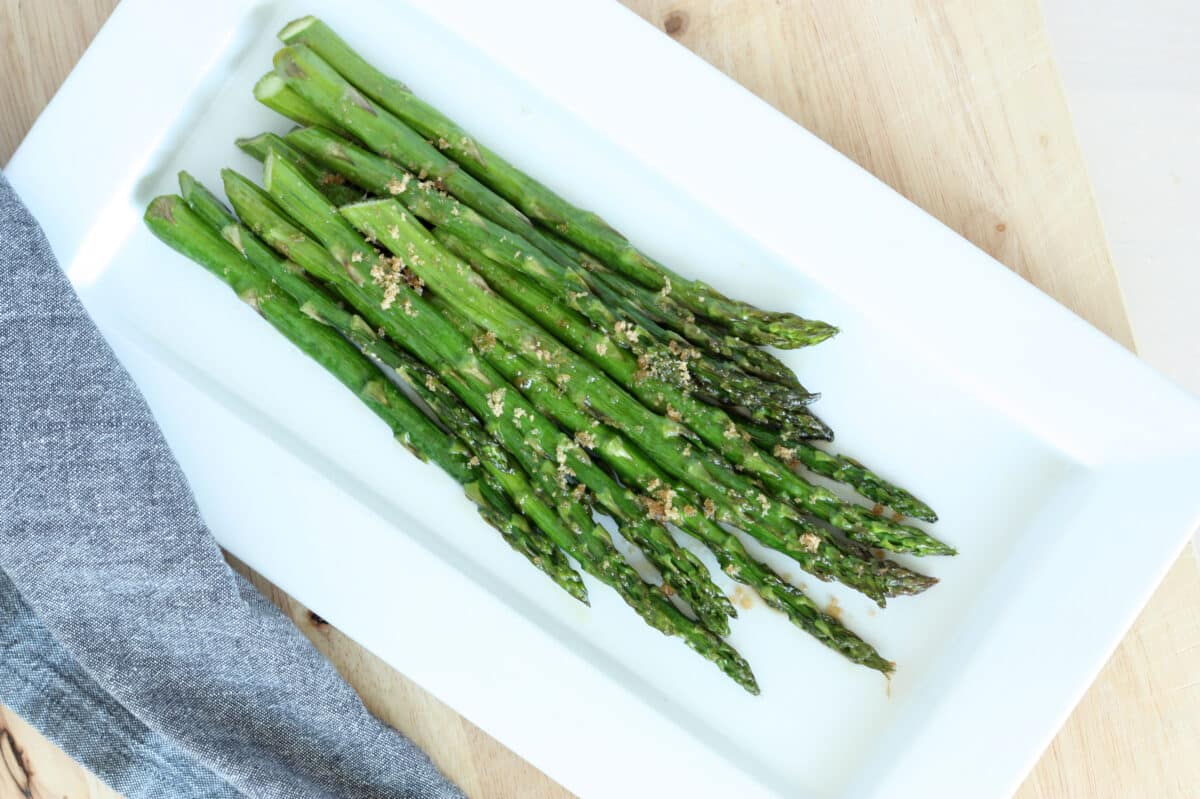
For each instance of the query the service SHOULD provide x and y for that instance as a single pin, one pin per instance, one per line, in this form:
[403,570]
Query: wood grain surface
[954,103]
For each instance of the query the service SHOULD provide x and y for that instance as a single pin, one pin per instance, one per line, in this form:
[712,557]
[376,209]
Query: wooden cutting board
[956,104]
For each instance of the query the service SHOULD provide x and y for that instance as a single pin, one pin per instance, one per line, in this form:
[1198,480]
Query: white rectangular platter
[1064,470]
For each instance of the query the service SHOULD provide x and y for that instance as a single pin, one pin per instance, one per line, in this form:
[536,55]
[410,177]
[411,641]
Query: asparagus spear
[417,326]
[769,436]
[582,228]
[332,184]
[793,448]
[386,221]
[860,478]
[192,234]
[675,360]
[420,329]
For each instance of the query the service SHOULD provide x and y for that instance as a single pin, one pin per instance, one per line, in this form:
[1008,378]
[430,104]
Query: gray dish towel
[124,635]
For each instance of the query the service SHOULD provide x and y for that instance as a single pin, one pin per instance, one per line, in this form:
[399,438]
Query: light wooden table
[957,105]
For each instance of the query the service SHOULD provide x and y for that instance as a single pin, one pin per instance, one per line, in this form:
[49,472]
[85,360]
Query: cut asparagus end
[273,92]
[161,210]
[296,27]
[268,87]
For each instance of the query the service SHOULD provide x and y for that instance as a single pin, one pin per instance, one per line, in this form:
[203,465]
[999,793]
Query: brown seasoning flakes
[540,352]
[687,353]
[565,473]
[395,187]
[661,506]
[387,275]
[414,281]
[627,330]
[667,495]
[485,341]
[496,402]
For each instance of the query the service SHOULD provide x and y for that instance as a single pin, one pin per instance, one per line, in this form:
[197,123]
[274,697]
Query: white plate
[1064,470]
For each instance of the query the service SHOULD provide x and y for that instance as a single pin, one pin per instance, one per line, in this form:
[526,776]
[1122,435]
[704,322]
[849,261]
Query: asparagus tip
[820,331]
[917,584]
